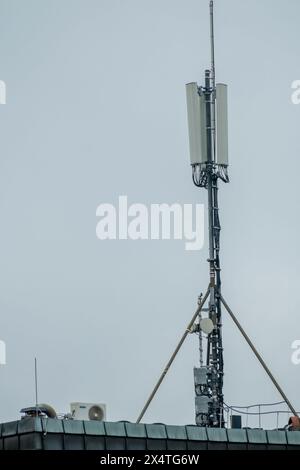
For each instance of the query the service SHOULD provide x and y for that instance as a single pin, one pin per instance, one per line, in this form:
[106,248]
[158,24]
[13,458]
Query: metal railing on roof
[254,419]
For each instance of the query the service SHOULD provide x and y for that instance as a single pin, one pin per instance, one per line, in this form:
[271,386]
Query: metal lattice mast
[209,163]
[214,343]
[208,136]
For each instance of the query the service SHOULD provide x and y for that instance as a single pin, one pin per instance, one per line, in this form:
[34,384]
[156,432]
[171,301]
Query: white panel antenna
[222,124]
[197,124]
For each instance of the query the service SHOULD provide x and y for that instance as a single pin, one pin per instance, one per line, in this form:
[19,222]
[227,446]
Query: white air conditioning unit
[88,411]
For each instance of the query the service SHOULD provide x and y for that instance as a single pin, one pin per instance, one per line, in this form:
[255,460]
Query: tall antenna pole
[213,75]
[212,42]
[36,385]
[208,136]
[209,163]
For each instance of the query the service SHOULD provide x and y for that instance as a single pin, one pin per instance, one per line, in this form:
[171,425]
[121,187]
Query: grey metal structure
[206,174]
[208,136]
[208,169]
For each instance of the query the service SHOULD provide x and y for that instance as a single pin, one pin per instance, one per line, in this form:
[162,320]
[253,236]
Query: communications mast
[208,138]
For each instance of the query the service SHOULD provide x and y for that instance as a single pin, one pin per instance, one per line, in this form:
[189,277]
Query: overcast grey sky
[96,109]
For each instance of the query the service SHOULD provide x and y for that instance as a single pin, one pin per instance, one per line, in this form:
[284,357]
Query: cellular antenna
[208,139]
[207,117]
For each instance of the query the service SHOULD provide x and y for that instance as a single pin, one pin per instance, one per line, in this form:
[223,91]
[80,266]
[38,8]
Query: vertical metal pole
[212,358]
[218,332]
[200,334]
[213,79]
[210,181]
[36,386]
[212,42]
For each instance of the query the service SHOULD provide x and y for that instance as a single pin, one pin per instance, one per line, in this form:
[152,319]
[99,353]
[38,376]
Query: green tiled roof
[135,430]
[94,428]
[257,436]
[217,434]
[156,431]
[293,438]
[176,432]
[237,435]
[194,433]
[277,437]
[115,429]
[47,433]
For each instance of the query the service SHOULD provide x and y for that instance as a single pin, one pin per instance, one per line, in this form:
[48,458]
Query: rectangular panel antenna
[197,124]
[222,124]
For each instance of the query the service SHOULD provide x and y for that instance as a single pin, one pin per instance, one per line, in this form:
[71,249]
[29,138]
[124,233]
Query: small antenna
[213,79]
[212,42]
[36,385]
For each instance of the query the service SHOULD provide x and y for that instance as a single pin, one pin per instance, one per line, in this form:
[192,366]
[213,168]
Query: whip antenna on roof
[212,41]
[213,76]
[36,386]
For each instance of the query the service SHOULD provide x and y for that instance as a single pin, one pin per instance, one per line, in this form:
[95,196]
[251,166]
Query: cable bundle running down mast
[208,136]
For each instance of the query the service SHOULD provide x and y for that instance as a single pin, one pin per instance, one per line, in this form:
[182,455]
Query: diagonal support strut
[171,360]
[260,359]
